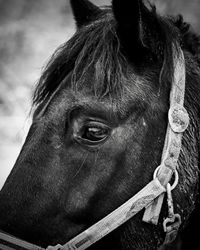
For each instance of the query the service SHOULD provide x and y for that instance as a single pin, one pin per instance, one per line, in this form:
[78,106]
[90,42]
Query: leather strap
[8,242]
[178,122]
[119,216]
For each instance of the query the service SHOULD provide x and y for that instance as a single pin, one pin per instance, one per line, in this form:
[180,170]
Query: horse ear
[84,11]
[133,26]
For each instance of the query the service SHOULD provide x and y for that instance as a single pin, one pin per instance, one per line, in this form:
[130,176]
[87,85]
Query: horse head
[99,125]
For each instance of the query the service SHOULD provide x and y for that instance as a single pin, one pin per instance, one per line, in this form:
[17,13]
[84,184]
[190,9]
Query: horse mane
[191,40]
[97,47]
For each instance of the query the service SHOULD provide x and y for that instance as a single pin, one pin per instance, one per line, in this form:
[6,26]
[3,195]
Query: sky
[30,31]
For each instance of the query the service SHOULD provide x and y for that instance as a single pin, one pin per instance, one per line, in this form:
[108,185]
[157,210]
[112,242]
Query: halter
[151,196]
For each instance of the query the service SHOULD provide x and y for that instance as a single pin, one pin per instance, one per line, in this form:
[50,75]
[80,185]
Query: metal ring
[174,172]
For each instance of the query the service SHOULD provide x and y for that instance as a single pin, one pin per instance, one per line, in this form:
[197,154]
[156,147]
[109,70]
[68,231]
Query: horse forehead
[136,92]
[109,107]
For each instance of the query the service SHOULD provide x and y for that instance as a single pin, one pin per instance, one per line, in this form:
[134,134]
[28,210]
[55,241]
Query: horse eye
[94,132]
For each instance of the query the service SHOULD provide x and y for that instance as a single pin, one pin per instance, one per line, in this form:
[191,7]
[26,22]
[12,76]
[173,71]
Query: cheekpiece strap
[178,121]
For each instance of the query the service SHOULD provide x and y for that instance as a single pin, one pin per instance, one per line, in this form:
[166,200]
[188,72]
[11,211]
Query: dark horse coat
[99,126]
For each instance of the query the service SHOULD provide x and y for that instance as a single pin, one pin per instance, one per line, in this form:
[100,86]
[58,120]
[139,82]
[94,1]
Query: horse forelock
[94,49]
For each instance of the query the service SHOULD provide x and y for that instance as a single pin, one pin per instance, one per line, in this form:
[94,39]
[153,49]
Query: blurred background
[30,31]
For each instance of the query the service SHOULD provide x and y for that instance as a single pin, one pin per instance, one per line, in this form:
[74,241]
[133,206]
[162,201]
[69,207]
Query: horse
[100,117]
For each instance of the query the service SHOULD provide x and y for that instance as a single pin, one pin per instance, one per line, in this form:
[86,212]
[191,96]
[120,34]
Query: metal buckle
[172,223]
[178,118]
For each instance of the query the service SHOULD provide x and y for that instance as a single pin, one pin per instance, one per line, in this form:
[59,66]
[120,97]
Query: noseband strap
[8,242]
